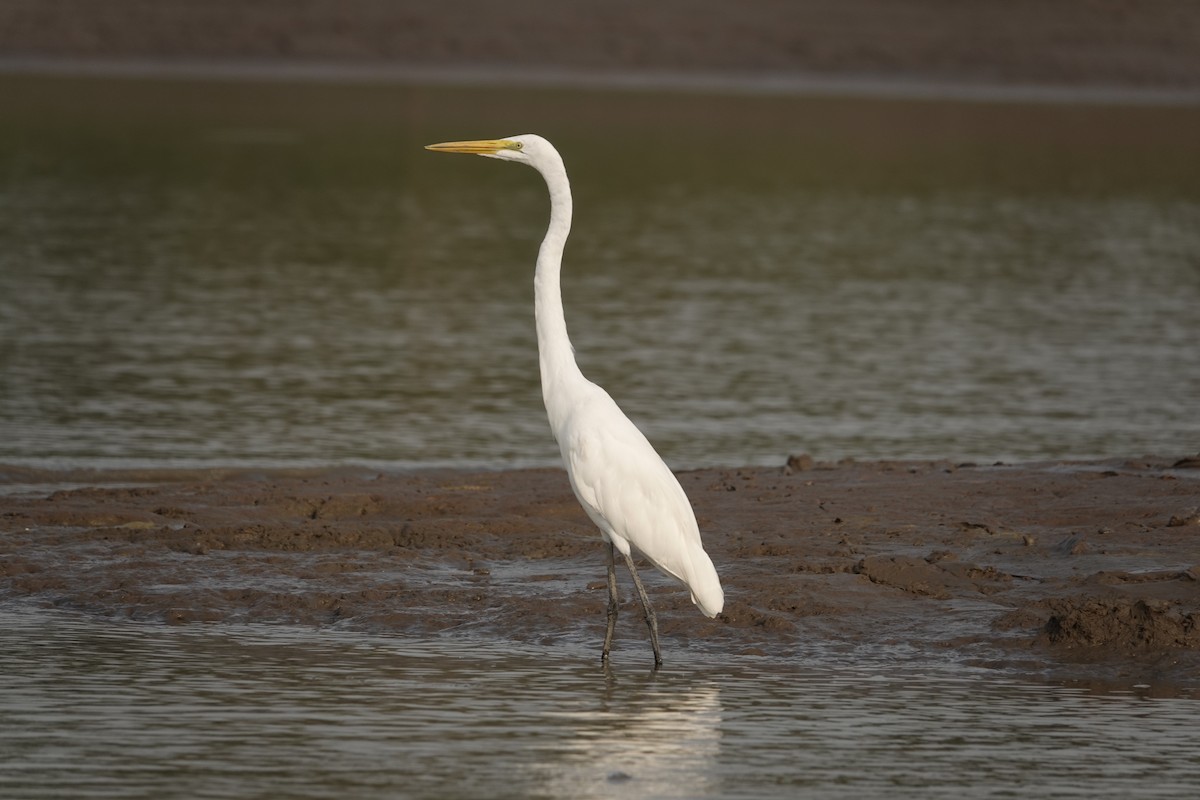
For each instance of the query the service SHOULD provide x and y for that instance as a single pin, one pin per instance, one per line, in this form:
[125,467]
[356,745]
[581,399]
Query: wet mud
[1067,571]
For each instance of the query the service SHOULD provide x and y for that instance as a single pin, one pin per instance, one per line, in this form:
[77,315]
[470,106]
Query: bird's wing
[626,488]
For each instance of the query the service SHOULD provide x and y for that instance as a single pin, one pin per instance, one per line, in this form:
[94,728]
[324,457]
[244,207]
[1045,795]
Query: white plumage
[619,479]
[634,498]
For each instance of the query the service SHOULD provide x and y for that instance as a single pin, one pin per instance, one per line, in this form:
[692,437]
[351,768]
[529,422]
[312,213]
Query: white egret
[619,479]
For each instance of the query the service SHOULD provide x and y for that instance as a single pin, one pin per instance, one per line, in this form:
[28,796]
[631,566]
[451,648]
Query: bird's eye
[519,145]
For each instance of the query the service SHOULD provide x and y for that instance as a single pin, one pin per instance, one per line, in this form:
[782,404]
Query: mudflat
[1077,571]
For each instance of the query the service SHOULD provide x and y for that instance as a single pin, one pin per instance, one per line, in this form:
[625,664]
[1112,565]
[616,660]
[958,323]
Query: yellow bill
[479,147]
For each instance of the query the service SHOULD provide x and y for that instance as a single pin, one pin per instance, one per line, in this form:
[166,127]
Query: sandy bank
[1070,571]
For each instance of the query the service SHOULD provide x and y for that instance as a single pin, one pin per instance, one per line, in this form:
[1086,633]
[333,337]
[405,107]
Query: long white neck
[555,354]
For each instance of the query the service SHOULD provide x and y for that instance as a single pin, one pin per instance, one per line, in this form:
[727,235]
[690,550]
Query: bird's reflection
[654,734]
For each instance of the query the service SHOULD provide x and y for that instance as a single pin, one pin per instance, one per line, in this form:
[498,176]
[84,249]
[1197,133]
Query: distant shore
[1080,572]
[773,84]
[1148,47]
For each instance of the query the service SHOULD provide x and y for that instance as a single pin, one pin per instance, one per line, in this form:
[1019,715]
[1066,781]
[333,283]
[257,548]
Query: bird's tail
[706,589]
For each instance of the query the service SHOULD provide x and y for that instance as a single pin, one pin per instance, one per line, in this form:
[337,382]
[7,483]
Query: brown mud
[1085,572]
[1149,44]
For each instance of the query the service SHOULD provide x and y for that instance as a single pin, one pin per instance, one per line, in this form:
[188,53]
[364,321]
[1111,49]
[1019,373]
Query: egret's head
[528,148]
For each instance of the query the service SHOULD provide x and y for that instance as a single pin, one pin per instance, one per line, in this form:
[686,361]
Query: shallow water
[212,273]
[102,708]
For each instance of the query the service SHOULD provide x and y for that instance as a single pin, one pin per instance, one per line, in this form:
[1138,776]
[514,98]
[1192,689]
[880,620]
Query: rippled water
[215,273]
[223,273]
[98,708]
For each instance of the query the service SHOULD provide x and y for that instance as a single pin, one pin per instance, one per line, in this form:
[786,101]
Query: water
[217,273]
[97,708]
[209,273]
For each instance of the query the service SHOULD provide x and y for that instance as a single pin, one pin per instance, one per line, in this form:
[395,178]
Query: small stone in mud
[800,463]
[1188,518]
[1072,546]
[619,777]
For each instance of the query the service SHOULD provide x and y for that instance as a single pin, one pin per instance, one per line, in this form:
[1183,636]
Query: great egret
[619,479]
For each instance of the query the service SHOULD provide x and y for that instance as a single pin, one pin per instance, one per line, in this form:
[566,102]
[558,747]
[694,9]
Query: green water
[237,272]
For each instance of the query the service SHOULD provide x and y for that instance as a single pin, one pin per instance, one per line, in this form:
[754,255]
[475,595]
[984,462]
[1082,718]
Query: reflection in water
[664,735]
[98,708]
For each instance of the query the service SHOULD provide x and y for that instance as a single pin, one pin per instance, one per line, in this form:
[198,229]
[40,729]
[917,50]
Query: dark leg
[613,602]
[651,621]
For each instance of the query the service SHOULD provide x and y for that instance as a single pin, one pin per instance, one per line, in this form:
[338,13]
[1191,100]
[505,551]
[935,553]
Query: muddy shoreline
[1086,572]
[1150,46]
